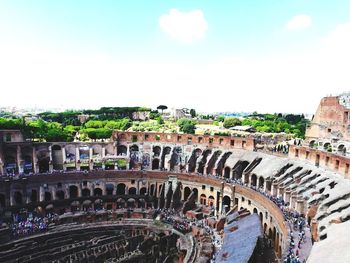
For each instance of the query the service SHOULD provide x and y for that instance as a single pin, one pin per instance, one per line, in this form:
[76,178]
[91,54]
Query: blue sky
[271,56]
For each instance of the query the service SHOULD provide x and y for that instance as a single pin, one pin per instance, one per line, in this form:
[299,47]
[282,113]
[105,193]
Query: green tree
[162,107]
[231,122]
[220,118]
[187,125]
[193,113]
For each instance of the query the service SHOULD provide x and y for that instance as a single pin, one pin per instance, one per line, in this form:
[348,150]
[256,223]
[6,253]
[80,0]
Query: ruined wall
[331,119]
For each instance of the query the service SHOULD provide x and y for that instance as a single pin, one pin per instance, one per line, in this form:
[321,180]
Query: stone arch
[270,233]
[47,197]
[134,156]
[212,161]
[156,151]
[57,157]
[131,203]
[341,149]
[73,191]
[109,189]
[27,156]
[203,199]
[312,143]
[18,198]
[221,164]
[175,157]
[122,150]
[226,203]
[192,162]
[327,147]
[155,164]
[187,192]
[261,182]
[166,151]
[253,180]
[120,203]
[132,191]
[85,192]
[2,201]
[143,191]
[265,228]
[60,195]
[195,191]
[44,164]
[211,201]
[98,191]
[255,210]
[84,152]
[10,160]
[238,169]
[142,203]
[227,172]
[121,189]
[153,189]
[268,184]
[203,161]
[261,216]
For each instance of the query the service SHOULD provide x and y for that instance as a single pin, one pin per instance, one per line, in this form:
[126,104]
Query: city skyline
[214,57]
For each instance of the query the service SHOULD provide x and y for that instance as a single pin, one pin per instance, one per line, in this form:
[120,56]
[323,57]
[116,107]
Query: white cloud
[185,27]
[299,22]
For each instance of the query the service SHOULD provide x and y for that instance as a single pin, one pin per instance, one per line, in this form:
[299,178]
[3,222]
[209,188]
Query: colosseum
[161,197]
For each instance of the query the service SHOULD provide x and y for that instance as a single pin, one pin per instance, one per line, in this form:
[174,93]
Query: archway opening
[85,192]
[97,191]
[73,191]
[132,191]
[121,189]
[226,203]
[187,192]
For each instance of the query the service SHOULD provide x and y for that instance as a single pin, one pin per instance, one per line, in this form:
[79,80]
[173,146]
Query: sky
[242,55]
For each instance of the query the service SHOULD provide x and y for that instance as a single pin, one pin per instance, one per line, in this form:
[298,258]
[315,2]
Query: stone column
[274,188]
[41,194]
[90,153]
[53,193]
[77,155]
[28,198]
[34,161]
[2,169]
[300,206]
[281,191]
[77,159]
[221,197]
[12,200]
[103,152]
[18,159]
[287,194]
[64,159]
[293,201]
[80,190]
[232,197]
[51,161]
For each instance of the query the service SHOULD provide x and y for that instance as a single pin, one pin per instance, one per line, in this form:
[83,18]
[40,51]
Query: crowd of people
[31,223]
[170,216]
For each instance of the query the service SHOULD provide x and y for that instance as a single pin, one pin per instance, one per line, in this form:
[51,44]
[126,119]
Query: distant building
[180,113]
[330,127]
[331,120]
